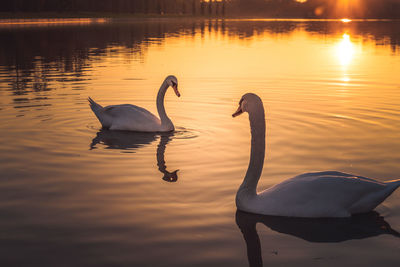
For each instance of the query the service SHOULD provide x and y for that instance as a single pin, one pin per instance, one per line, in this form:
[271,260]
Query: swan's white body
[133,118]
[320,194]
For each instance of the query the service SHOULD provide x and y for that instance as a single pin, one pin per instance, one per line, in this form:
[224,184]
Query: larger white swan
[320,194]
[133,118]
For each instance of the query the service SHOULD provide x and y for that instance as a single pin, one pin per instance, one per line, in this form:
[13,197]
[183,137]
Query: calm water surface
[72,194]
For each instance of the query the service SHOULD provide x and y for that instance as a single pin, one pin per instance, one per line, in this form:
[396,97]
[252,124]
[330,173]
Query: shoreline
[99,18]
[93,15]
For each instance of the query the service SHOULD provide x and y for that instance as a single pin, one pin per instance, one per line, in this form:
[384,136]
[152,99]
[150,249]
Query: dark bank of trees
[353,9]
[316,8]
[233,8]
[117,6]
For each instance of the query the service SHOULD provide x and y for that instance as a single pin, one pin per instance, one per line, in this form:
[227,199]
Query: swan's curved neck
[165,121]
[257,125]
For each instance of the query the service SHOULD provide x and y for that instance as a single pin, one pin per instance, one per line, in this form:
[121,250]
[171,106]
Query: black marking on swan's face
[174,84]
[240,109]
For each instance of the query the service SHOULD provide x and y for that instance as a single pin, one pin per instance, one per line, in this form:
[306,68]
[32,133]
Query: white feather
[319,194]
[133,118]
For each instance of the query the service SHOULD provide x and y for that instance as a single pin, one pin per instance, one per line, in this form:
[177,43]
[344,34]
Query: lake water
[72,194]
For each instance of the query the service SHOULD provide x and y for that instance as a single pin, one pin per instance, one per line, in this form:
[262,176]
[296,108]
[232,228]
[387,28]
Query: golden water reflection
[113,201]
[345,50]
[10,23]
[75,50]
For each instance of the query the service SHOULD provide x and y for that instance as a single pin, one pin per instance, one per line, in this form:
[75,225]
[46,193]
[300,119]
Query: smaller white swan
[133,118]
[320,194]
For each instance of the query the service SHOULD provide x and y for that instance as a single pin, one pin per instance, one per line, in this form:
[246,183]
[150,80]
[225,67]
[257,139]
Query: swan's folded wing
[331,185]
[128,110]
[322,194]
[131,117]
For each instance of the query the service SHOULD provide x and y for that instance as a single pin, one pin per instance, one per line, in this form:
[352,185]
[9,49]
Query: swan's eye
[240,102]
[174,83]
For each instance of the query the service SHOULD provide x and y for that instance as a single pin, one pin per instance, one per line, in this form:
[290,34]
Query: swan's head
[247,103]
[173,82]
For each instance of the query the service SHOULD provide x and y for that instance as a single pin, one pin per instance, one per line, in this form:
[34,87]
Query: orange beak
[175,87]
[237,112]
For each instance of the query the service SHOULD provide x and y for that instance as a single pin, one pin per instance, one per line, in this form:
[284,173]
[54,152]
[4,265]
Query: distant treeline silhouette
[234,8]
[315,8]
[200,7]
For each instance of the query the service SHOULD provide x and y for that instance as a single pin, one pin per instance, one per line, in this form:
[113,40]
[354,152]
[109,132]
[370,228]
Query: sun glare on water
[345,50]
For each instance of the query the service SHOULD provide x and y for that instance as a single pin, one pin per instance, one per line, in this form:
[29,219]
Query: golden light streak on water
[345,50]
[48,22]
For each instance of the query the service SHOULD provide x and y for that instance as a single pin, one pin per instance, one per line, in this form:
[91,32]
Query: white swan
[133,118]
[320,194]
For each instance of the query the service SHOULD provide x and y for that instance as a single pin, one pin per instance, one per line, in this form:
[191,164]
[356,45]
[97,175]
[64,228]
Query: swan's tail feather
[372,200]
[393,232]
[393,185]
[394,182]
[93,105]
[97,109]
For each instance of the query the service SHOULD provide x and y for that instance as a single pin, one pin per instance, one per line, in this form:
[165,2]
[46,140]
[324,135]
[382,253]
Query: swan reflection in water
[126,140]
[319,230]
